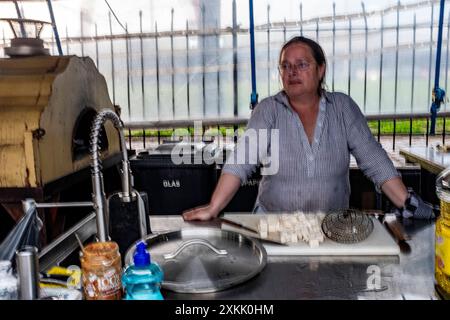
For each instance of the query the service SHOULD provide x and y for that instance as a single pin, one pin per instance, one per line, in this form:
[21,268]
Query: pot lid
[204,260]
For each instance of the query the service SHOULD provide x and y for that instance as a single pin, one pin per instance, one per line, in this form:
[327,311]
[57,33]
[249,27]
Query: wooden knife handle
[397,230]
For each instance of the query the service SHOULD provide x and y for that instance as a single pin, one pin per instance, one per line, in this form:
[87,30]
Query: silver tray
[204,260]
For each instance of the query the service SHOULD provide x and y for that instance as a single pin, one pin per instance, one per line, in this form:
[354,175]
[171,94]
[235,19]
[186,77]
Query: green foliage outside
[167,133]
[419,126]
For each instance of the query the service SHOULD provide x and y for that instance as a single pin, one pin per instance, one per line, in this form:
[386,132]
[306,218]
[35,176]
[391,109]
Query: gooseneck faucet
[98,192]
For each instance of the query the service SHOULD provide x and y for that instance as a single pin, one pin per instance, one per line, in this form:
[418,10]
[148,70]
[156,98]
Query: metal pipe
[97,177]
[142,216]
[172,64]
[254,95]
[129,139]
[393,134]
[143,136]
[158,98]
[218,71]
[28,204]
[53,45]
[243,121]
[443,131]
[65,204]
[235,62]
[396,62]
[399,116]
[19,15]
[438,93]
[203,61]
[112,60]
[268,49]
[96,48]
[275,26]
[413,66]
[141,43]
[379,131]
[317,30]
[430,57]
[28,272]
[187,71]
[365,55]
[381,66]
[81,32]
[55,29]
[31,204]
[446,75]
[349,55]
[128,57]
[439,45]
[67,41]
[334,45]
[301,19]
[410,131]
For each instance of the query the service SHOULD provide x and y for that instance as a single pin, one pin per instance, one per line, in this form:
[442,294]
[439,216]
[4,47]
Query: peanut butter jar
[101,267]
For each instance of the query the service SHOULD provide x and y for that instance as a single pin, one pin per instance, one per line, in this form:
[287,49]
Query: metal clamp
[188,243]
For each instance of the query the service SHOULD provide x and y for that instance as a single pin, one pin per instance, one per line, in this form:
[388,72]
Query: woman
[318,131]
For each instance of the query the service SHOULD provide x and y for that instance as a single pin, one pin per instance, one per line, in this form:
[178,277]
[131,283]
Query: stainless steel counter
[408,276]
[429,158]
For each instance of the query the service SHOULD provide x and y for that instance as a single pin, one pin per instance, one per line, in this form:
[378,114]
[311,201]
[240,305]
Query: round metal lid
[204,259]
[25,51]
[347,226]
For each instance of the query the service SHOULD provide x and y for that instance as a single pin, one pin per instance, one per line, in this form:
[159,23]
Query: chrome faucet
[98,192]
[99,202]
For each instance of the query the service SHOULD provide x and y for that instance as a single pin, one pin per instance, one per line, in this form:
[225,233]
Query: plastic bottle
[142,280]
[8,282]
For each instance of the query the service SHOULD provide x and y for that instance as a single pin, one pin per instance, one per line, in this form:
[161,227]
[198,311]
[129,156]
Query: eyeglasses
[286,68]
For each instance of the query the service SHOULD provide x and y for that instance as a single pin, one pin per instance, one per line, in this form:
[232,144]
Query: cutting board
[380,242]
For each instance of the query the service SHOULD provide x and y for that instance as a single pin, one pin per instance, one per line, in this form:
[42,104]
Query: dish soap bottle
[142,280]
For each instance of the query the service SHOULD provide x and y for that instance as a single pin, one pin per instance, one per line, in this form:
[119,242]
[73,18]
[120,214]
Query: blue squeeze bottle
[142,280]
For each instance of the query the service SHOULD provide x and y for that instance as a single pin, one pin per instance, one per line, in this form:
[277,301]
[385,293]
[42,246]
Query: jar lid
[99,251]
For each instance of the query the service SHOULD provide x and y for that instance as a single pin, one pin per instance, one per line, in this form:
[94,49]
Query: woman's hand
[201,213]
[226,188]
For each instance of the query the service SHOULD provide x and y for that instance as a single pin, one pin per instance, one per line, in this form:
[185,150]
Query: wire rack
[347,226]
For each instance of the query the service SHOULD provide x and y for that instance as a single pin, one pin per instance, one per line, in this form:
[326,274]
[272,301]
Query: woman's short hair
[317,52]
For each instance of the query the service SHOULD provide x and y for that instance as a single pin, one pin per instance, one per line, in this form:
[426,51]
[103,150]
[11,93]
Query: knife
[396,228]
[253,231]
[236,224]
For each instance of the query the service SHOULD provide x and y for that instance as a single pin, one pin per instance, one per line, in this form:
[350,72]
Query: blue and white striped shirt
[313,177]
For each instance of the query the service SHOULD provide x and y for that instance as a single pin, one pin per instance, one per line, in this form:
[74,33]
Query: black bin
[173,188]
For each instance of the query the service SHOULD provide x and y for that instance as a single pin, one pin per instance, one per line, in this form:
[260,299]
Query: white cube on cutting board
[379,242]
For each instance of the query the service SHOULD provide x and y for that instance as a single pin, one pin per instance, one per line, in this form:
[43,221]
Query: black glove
[416,208]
